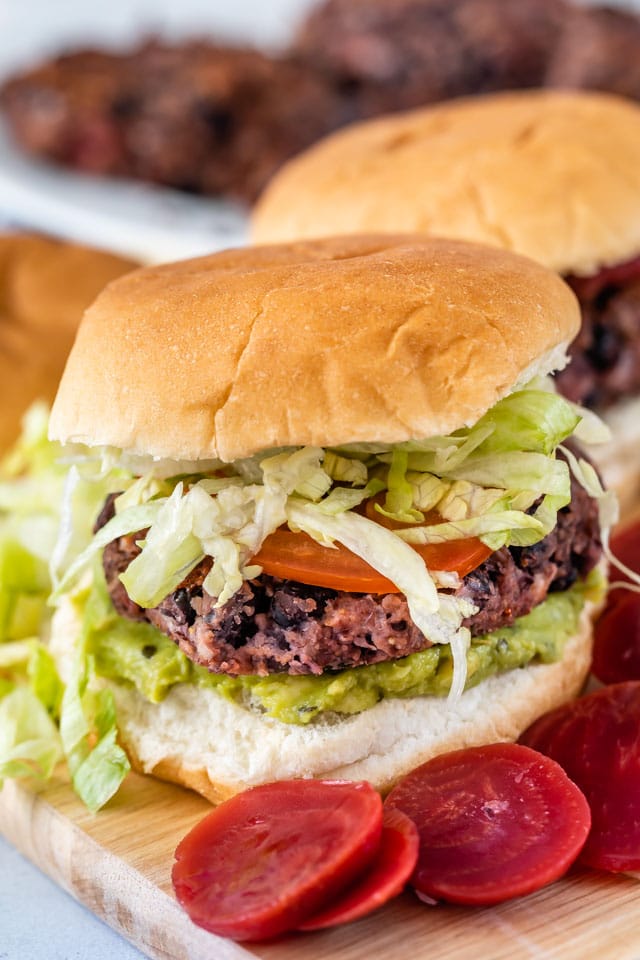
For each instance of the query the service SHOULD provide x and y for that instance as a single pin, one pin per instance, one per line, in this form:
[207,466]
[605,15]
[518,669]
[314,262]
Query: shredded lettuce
[31,485]
[229,527]
[41,722]
[399,501]
[498,480]
[30,696]
[88,732]
[29,741]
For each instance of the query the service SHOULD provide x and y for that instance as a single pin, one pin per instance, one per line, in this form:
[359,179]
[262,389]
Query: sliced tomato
[494,822]
[596,739]
[386,876]
[270,857]
[587,288]
[296,556]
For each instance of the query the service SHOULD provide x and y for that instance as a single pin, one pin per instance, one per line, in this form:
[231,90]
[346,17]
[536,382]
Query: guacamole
[138,654]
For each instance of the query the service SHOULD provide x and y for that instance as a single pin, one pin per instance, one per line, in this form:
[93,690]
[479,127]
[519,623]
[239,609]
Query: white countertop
[38,921]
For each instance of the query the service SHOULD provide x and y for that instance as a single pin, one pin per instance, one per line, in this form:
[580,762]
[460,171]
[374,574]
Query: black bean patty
[281,626]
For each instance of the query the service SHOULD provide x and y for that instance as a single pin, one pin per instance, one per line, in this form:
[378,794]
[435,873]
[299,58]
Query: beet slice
[385,878]
[616,647]
[265,860]
[596,739]
[625,546]
[494,822]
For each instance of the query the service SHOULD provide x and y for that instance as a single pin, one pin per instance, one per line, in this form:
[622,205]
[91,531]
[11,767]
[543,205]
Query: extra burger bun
[199,739]
[45,287]
[369,338]
[553,175]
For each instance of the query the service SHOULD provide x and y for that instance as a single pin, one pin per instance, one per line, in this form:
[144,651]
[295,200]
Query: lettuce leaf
[31,484]
[33,491]
[30,696]
[88,731]
[29,741]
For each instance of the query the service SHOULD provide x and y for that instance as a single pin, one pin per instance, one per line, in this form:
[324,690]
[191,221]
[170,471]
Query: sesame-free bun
[198,738]
[369,338]
[45,286]
[553,175]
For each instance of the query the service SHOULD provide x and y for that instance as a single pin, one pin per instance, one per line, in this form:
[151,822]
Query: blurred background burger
[552,174]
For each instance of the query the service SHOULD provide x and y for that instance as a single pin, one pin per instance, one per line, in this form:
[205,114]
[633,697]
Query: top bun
[352,339]
[552,175]
[45,287]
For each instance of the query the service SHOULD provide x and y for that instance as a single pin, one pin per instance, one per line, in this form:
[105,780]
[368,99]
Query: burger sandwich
[344,525]
[552,175]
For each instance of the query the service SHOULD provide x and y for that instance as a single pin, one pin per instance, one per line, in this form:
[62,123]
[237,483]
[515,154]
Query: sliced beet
[625,546]
[385,878]
[262,862]
[494,822]
[616,648]
[596,739]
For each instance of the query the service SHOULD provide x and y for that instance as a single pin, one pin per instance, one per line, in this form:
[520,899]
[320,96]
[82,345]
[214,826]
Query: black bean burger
[343,528]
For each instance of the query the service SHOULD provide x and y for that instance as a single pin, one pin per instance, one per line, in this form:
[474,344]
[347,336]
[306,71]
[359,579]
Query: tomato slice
[494,822]
[296,556]
[587,288]
[270,857]
[596,739]
[386,876]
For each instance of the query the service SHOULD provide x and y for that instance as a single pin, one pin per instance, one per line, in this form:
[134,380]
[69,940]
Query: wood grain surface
[118,863]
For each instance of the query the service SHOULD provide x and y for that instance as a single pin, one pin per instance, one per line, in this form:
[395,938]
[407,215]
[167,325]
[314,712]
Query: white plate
[148,223]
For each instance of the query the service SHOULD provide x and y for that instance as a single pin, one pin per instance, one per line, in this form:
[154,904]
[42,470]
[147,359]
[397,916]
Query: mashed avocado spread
[139,654]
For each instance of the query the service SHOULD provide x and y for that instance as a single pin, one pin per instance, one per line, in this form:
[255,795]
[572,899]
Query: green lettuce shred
[41,721]
[88,731]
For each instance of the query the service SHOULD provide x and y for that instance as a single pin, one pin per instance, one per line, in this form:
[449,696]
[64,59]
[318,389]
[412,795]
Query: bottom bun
[199,739]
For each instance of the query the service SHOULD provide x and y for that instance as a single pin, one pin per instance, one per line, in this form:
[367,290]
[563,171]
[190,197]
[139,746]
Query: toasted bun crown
[45,287]
[552,175]
[323,343]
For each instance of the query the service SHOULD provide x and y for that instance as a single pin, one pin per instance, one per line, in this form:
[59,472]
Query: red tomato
[384,879]
[587,288]
[596,739]
[616,648]
[494,822]
[296,556]
[270,857]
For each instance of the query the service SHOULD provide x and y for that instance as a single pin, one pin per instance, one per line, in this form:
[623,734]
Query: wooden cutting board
[118,863]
